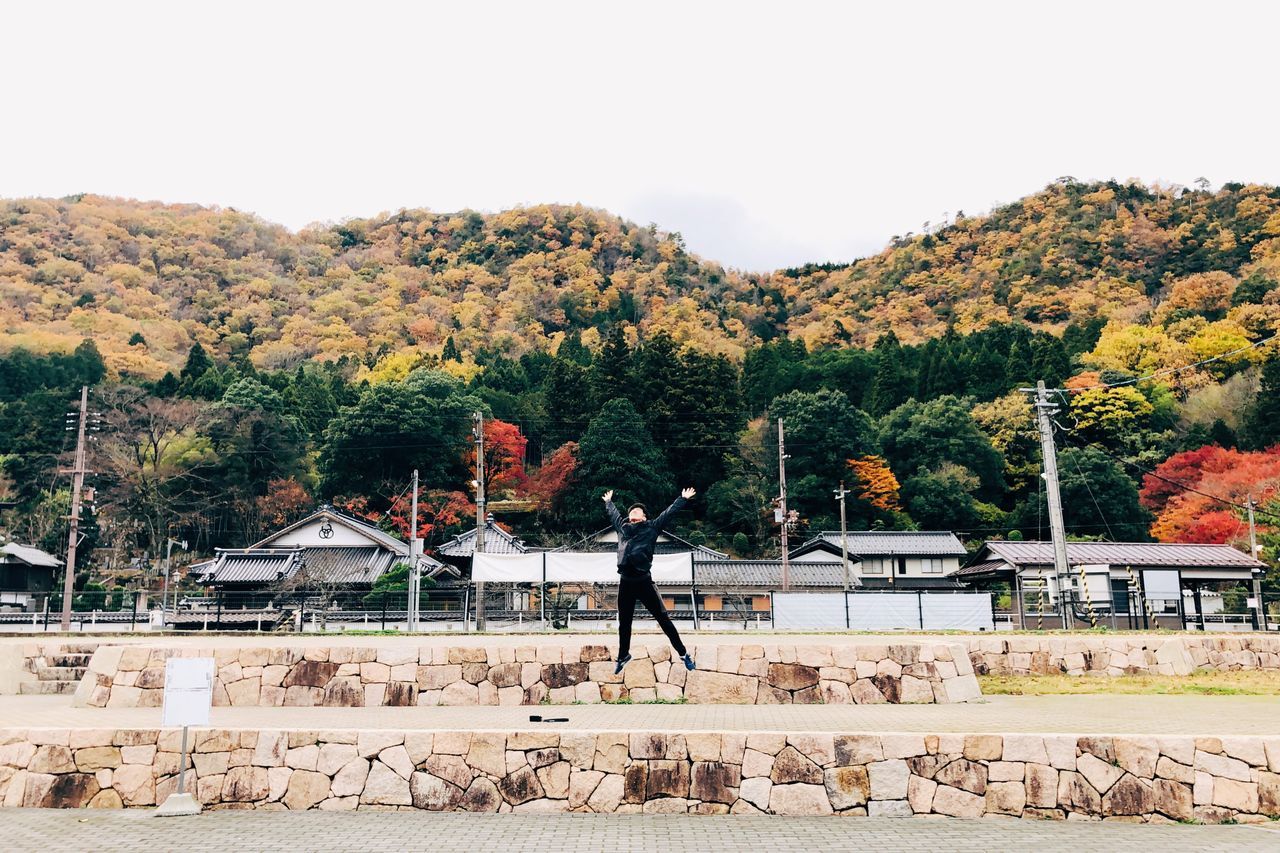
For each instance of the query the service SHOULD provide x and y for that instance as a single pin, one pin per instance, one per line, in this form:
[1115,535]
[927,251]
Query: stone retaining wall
[1121,655]
[133,676]
[1030,776]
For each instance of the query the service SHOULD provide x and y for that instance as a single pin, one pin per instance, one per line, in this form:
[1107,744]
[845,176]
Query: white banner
[507,568]
[792,610]
[878,611]
[965,611]
[572,567]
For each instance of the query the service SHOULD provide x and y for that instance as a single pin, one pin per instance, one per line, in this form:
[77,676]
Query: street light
[168,564]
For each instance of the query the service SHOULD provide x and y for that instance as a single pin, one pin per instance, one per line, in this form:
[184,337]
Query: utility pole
[481,521]
[1045,409]
[1260,612]
[782,498]
[168,568]
[415,551]
[73,537]
[844,537]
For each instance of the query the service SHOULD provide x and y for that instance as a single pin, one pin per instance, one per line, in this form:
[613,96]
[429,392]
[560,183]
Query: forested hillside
[244,373]
[146,281]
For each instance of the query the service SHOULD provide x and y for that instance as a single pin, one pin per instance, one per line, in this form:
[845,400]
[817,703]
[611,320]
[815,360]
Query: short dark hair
[640,507]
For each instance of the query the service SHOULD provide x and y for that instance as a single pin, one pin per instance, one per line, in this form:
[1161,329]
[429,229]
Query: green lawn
[1201,682]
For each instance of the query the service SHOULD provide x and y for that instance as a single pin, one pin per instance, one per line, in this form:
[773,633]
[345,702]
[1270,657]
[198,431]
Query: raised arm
[615,517]
[678,504]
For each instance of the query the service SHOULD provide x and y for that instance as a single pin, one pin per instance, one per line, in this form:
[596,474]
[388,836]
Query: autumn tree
[875,483]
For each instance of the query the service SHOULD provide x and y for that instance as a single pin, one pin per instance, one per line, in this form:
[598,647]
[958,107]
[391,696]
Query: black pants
[631,590]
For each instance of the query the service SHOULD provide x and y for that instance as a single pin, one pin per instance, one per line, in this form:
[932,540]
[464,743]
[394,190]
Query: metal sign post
[188,695]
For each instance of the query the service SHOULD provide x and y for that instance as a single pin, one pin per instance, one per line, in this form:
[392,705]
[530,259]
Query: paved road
[1090,714]
[236,832]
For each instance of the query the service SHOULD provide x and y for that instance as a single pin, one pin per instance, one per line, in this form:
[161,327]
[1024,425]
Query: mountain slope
[146,280]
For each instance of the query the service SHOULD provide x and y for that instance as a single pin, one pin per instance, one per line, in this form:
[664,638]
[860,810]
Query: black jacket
[637,540]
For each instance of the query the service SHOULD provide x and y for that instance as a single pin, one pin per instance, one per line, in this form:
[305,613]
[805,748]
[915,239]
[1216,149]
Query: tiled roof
[985,567]
[31,556]
[338,564]
[249,565]
[1121,554]
[348,565]
[888,543]
[765,574]
[338,517]
[496,541]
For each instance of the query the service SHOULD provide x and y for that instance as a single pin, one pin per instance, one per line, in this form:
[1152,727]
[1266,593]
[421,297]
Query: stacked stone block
[1121,655]
[1056,777]
[347,676]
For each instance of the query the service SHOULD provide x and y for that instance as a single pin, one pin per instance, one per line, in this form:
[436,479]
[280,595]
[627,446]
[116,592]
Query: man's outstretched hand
[687,494]
[608,496]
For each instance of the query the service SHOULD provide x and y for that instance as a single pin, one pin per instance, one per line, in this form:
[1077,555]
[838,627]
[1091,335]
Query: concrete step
[61,673]
[47,688]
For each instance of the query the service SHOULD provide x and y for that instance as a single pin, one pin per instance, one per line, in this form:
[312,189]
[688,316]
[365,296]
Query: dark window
[902,565]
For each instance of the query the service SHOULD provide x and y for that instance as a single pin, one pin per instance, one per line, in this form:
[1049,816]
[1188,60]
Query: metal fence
[586,607]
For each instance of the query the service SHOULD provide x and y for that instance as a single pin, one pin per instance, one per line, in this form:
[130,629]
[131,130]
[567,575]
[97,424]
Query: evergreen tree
[567,392]
[1019,371]
[1050,361]
[947,377]
[826,431]
[617,453]
[892,386]
[611,371]
[1082,335]
[986,374]
[166,386]
[88,363]
[928,435]
[198,362]
[450,352]
[1261,427]
[571,349]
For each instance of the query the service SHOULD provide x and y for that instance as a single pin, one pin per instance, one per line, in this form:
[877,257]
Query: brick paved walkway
[235,832]
[1189,715]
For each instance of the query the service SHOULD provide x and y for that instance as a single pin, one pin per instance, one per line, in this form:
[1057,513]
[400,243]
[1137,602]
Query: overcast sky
[769,134]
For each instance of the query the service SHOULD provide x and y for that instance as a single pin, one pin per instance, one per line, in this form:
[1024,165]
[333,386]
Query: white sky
[769,134]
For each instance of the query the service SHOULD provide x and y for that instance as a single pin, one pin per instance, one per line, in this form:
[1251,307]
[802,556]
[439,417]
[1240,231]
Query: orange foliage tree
[285,502]
[1228,475]
[876,484]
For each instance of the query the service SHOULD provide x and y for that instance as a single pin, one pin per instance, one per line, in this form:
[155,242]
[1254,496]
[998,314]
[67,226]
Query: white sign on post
[188,691]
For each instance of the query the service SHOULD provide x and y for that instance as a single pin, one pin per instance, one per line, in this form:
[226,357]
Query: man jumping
[637,538]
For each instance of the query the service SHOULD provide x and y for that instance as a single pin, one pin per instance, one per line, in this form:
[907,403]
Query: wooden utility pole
[415,551]
[1057,529]
[782,499]
[481,520]
[73,536]
[844,536]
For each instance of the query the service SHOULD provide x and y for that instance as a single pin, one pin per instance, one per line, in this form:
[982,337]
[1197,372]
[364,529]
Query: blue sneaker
[621,664]
[688,661]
